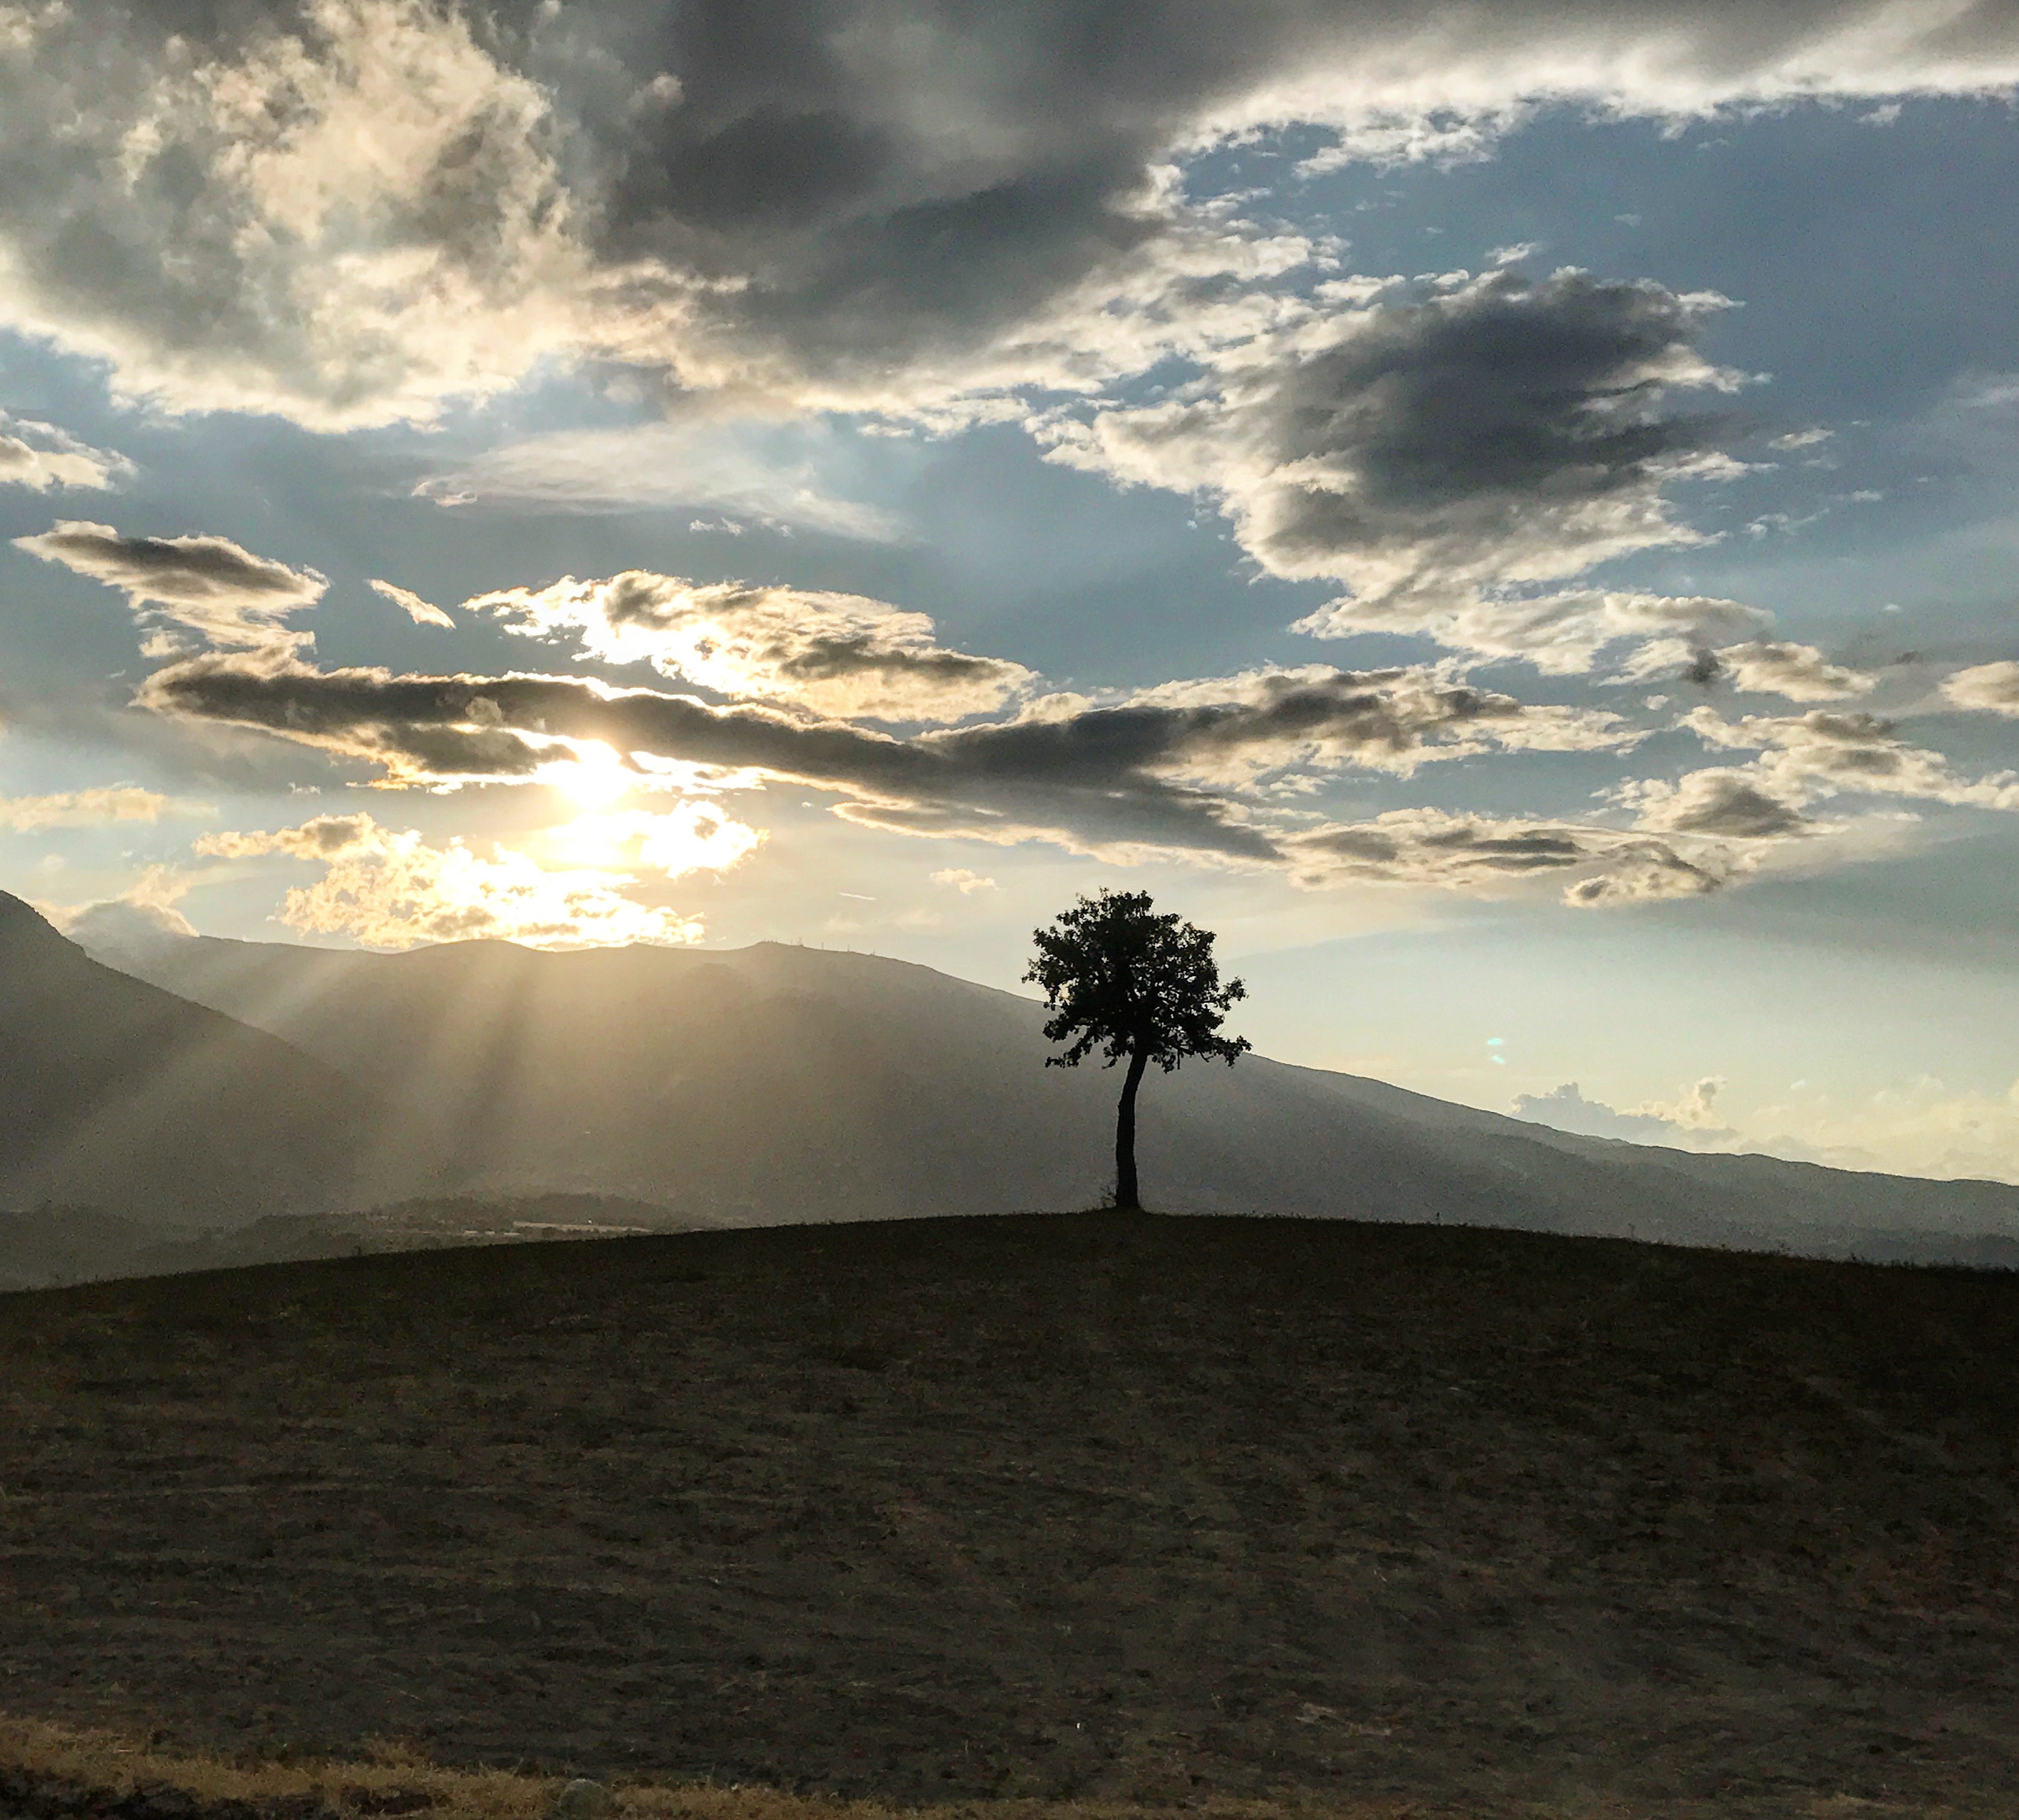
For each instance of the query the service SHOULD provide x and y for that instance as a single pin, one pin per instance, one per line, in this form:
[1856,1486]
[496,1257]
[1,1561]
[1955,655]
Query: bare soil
[1089,1507]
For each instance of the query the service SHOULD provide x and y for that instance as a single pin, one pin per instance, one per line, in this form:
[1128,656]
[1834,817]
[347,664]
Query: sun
[594,778]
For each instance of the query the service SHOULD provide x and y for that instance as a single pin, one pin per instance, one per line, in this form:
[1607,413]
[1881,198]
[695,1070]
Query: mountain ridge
[119,1095]
[774,1083]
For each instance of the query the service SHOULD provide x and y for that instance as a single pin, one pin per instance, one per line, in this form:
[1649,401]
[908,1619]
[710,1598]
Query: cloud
[963,881]
[835,654]
[1987,689]
[1245,727]
[1798,671]
[141,921]
[1121,781]
[208,585]
[1725,804]
[341,211]
[1922,1127]
[692,837]
[1445,455]
[42,456]
[695,466]
[422,612]
[390,889]
[1822,754]
[91,808]
[1688,1124]
[1600,866]
[350,210]
[127,928]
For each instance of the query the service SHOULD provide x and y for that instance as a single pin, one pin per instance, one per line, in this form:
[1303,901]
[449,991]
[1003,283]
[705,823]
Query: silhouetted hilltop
[773,1083]
[118,1095]
[1104,1508]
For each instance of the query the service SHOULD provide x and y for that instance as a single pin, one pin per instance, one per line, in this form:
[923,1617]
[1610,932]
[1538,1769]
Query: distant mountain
[772,1084]
[117,1097]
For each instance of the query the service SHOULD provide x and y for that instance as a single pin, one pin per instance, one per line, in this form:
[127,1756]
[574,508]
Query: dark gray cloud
[1445,454]
[208,585]
[848,195]
[1120,780]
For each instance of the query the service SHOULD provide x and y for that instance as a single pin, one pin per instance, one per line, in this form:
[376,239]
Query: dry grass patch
[396,1780]
[93,1771]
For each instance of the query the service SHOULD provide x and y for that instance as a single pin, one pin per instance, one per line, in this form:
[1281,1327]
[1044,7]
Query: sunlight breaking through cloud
[393,890]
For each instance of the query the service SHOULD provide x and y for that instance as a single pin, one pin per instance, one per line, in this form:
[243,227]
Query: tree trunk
[1125,1193]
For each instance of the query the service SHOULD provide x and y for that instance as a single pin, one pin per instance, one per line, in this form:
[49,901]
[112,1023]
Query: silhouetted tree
[1124,979]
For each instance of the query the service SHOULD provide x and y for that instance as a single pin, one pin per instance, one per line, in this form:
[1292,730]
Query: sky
[1504,511]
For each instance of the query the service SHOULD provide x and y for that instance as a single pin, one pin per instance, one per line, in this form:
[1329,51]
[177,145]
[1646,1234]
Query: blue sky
[1518,536]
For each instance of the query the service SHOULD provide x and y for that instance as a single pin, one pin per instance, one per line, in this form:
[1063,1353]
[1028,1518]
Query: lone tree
[1120,978]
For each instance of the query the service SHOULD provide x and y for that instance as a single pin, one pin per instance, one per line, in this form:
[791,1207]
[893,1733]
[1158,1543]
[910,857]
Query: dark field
[1142,1509]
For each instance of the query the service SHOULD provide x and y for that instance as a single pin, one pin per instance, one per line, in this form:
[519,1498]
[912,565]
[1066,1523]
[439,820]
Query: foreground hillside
[1146,1509]
[774,1083]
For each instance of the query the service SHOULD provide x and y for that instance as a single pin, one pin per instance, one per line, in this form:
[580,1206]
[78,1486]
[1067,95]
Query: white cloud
[1987,689]
[344,223]
[390,889]
[1921,1128]
[91,808]
[1690,1122]
[1798,671]
[836,654]
[140,920]
[1822,754]
[41,456]
[963,881]
[422,612]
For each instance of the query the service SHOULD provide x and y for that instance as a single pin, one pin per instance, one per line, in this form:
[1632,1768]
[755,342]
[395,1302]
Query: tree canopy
[1121,978]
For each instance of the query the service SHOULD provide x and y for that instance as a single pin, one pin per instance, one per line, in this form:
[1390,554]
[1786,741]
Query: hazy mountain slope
[776,1083]
[44,1245]
[118,1096]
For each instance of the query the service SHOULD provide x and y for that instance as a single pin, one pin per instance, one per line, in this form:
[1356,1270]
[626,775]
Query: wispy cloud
[92,808]
[422,612]
[697,467]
